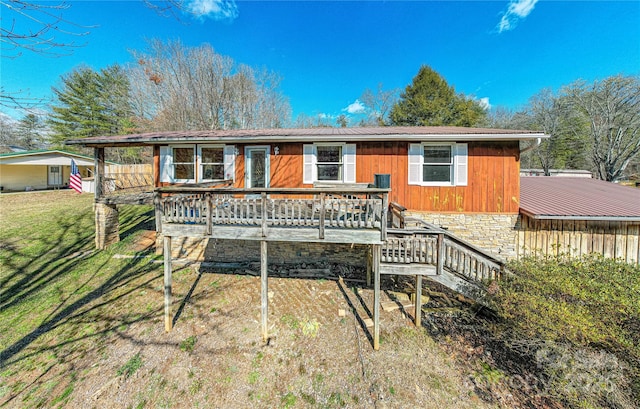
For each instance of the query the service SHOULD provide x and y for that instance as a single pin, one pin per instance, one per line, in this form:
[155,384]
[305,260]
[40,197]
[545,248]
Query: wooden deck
[324,215]
[310,215]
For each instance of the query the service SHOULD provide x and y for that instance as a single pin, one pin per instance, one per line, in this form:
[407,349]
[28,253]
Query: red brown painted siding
[493,178]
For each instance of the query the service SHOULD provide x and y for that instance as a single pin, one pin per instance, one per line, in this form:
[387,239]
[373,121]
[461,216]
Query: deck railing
[321,208]
[435,246]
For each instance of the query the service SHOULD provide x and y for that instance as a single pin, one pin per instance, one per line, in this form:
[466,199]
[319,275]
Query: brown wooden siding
[493,183]
[611,239]
[286,167]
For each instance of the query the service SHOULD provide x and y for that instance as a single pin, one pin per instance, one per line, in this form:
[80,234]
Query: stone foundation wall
[107,225]
[237,251]
[495,233]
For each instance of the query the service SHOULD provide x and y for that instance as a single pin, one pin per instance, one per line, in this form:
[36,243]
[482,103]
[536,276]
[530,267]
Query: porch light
[276,150]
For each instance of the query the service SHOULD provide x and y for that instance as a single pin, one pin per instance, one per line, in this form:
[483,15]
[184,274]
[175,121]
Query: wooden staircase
[416,248]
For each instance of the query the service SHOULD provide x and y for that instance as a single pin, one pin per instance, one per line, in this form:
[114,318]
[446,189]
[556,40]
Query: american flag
[75,181]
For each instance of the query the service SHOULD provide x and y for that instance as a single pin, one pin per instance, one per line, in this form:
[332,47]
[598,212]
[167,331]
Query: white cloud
[213,9]
[484,103]
[517,10]
[356,107]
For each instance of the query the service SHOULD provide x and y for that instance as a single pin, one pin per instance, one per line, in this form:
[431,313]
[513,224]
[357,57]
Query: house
[579,216]
[303,194]
[40,169]
[572,173]
[463,179]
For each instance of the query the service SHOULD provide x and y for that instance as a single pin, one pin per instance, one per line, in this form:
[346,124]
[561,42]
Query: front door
[257,166]
[54,176]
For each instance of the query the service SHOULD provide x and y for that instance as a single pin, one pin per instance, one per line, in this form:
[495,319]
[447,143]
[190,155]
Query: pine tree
[31,132]
[430,101]
[91,103]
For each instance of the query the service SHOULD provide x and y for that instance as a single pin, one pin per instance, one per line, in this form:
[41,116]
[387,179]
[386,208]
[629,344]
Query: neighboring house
[40,169]
[573,173]
[579,216]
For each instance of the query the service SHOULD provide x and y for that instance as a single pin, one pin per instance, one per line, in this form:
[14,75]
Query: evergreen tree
[430,101]
[31,132]
[91,103]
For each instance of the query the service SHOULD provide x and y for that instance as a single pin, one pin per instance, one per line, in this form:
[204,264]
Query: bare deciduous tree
[379,103]
[38,27]
[178,88]
[612,108]
[41,27]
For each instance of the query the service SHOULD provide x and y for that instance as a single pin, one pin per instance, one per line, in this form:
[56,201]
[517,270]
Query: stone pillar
[107,225]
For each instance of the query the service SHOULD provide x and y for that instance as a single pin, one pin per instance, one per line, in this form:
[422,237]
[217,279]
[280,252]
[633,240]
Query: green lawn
[57,293]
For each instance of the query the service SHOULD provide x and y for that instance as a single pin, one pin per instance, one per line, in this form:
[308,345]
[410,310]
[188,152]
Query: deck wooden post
[98,171]
[209,201]
[377,250]
[369,266]
[264,290]
[383,216]
[264,215]
[168,320]
[418,312]
[322,215]
[440,261]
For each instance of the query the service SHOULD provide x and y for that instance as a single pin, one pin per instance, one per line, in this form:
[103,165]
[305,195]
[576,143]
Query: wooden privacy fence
[321,208]
[575,238]
[124,179]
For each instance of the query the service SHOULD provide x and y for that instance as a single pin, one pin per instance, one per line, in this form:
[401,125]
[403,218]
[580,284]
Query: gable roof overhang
[576,198]
[44,157]
[386,134]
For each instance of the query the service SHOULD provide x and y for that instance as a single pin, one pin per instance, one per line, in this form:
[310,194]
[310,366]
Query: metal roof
[568,198]
[389,133]
[43,157]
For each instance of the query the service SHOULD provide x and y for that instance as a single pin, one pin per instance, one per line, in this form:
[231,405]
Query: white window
[196,163]
[211,162]
[183,165]
[329,162]
[438,164]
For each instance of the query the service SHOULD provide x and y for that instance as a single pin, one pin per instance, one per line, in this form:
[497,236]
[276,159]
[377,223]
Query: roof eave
[594,218]
[453,137]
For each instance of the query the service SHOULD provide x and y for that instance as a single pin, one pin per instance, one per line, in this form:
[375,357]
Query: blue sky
[328,52]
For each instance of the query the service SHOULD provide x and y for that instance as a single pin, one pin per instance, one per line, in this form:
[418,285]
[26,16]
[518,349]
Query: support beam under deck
[168,321]
[377,252]
[418,308]
[264,291]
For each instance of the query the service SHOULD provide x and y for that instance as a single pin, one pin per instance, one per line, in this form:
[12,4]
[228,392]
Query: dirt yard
[316,358]
[215,358]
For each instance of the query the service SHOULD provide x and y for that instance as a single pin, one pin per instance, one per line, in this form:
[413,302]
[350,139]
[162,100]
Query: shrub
[588,309]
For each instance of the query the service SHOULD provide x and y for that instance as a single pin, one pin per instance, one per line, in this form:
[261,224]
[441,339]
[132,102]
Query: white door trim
[267,167]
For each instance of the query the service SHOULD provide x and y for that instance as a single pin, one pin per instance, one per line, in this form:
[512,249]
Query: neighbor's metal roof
[43,157]
[389,133]
[550,197]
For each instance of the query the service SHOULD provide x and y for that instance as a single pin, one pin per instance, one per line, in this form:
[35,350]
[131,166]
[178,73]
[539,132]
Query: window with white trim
[197,163]
[184,163]
[211,162]
[438,164]
[329,162]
